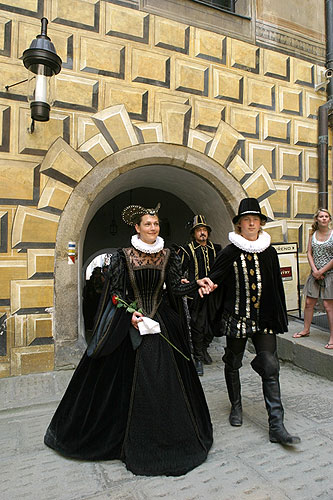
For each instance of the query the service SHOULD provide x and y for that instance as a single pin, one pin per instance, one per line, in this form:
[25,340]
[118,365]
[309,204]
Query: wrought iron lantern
[42,62]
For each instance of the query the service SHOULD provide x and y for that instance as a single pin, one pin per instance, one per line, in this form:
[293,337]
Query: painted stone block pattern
[276,65]
[210,46]
[281,200]
[40,263]
[77,13]
[44,135]
[290,164]
[54,196]
[290,101]
[32,227]
[76,93]
[277,129]
[5,116]
[110,61]
[192,78]
[127,24]
[131,78]
[31,296]
[207,115]
[261,94]
[228,86]
[135,100]
[305,201]
[171,35]
[244,56]
[175,122]
[150,68]
[22,190]
[260,154]
[246,122]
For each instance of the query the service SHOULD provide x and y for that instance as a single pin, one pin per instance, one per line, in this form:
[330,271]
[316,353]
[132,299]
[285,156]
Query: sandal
[298,335]
[329,346]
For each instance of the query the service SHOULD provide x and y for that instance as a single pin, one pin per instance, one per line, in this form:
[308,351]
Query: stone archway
[108,179]
[73,184]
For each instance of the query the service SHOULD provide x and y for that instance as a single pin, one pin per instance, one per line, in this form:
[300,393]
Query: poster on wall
[288,258]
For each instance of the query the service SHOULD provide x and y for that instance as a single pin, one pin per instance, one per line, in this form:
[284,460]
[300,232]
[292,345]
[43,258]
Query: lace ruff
[257,246]
[145,247]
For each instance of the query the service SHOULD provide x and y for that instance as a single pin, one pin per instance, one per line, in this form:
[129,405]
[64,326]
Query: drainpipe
[325,114]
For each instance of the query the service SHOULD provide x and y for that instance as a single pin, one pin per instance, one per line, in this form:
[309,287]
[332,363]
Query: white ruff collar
[257,246]
[146,247]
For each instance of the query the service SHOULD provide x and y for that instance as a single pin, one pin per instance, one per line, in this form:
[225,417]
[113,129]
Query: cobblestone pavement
[242,464]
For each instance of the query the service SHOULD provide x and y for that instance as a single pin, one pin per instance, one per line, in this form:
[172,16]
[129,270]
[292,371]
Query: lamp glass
[40,87]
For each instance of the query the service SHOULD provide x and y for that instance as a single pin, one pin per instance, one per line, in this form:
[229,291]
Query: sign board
[288,258]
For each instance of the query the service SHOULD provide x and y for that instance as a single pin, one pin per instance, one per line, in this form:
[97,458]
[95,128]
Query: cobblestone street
[242,464]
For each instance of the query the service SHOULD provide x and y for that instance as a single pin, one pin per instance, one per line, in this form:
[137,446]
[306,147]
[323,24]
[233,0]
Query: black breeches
[261,342]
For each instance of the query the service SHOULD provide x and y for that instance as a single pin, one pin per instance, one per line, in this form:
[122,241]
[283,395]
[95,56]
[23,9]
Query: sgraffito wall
[136,73]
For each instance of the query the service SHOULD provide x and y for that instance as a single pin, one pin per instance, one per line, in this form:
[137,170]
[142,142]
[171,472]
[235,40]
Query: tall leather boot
[267,366]
[231,372]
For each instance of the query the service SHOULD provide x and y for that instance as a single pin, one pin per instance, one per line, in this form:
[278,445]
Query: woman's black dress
[146,406]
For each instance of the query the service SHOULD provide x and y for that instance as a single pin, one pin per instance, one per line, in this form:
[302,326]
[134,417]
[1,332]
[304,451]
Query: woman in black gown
[140,400]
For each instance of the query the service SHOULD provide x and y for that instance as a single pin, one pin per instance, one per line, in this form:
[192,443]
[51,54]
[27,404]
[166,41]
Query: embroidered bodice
[322,251]
[149,274]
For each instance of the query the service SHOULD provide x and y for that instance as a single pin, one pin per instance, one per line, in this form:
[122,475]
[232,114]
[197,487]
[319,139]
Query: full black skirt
[144,407]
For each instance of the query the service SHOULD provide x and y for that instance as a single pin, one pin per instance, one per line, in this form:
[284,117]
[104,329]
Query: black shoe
[235,417]
[282,436]
[199,367]
[207,360]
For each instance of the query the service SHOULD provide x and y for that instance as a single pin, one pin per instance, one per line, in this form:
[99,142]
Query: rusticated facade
[204,104]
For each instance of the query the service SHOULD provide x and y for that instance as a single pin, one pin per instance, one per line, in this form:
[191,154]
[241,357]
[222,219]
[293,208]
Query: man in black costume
[197,259]
[250,302]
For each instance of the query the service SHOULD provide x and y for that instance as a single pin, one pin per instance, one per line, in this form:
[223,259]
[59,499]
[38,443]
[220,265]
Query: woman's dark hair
[138,219]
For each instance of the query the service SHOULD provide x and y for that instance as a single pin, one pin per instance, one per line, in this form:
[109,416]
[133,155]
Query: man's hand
[206,286]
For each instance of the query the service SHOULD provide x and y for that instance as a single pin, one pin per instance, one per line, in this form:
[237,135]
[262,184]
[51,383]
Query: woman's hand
[318,275]
[206,286]
[184,281]
[136,318]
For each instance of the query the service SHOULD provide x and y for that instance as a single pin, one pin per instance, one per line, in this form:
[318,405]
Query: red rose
[114,300]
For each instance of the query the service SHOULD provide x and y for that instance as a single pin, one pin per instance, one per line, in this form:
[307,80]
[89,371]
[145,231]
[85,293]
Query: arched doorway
[198,181]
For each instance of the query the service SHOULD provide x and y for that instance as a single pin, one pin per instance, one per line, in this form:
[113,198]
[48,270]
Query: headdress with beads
[132,213]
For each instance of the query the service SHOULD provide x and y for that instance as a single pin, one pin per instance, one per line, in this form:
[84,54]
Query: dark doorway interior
[107,231]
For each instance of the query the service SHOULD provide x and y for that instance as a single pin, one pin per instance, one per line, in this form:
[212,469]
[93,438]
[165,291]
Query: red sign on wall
[286,273]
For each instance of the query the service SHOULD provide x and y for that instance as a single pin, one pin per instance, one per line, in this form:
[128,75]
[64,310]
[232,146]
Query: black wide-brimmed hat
[249,206]
[198,221]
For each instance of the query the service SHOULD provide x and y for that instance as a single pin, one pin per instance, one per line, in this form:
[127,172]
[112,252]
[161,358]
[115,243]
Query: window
[228,5]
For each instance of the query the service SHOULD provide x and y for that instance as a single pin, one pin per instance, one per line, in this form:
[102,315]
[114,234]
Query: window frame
[217,7]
